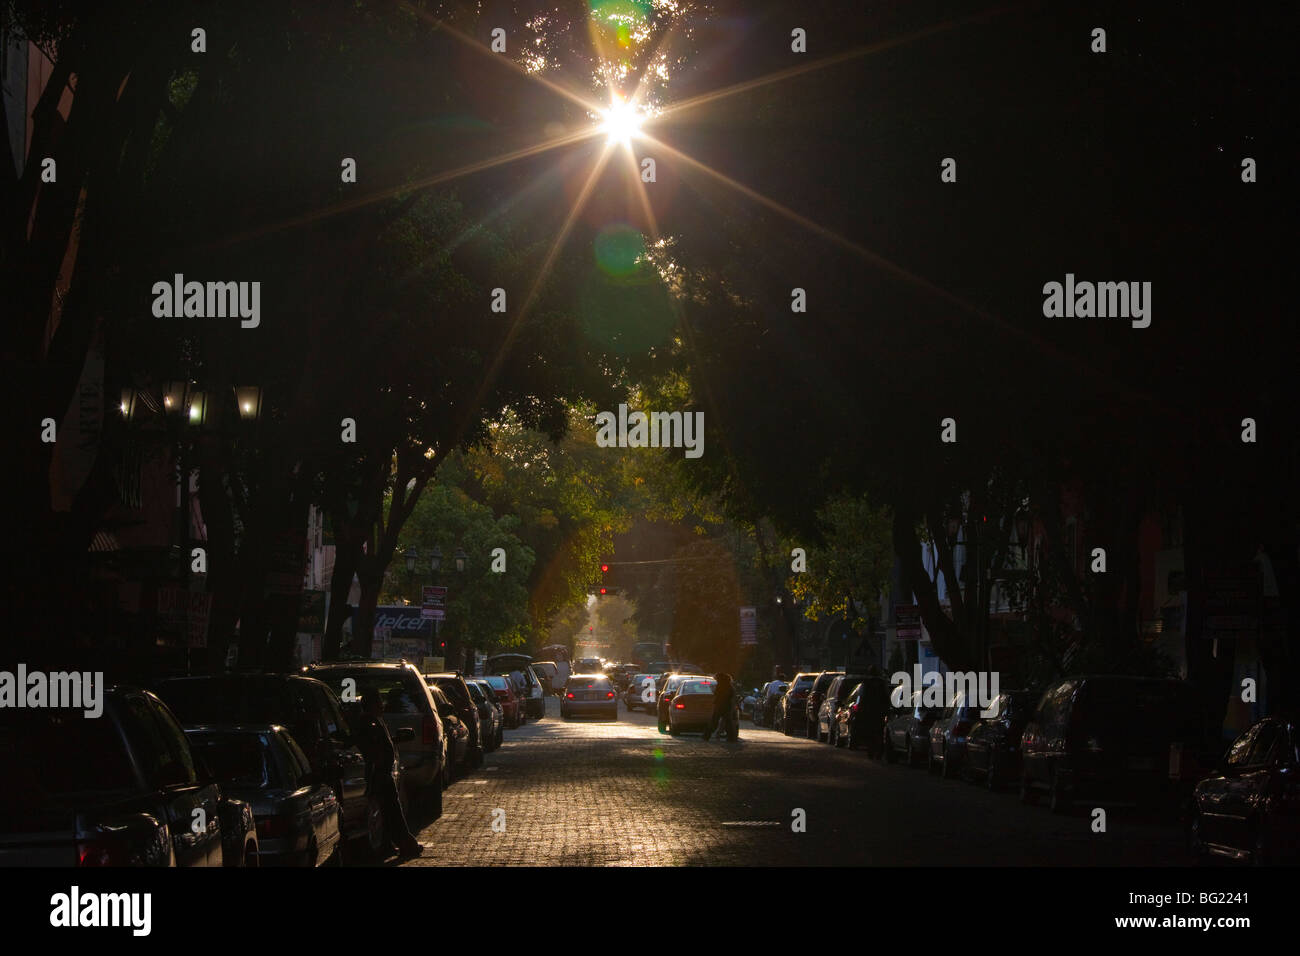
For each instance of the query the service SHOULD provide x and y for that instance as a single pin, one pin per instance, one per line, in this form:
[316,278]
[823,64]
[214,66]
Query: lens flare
[621,122]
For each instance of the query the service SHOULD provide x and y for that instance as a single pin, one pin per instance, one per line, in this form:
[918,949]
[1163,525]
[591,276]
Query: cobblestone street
[587,792]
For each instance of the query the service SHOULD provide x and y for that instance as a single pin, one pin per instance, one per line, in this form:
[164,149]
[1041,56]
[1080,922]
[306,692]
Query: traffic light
[607,579]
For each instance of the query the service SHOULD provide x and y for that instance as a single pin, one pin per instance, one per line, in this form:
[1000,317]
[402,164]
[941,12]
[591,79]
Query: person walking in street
[724,702]
[377,747]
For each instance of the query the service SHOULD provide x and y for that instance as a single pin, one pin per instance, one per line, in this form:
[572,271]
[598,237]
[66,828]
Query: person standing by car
[379,751]
[724,702]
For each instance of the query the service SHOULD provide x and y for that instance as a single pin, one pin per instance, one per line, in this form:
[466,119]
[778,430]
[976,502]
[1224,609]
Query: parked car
[589,694]
[492,722]
[907,733]
[634,695]
[121,789]
[838,689]
[547,673]
[535,695]
[792,712]
[947,744]
[238,832]
[297,813]
[768,697]
[692,706]
[408,703]
[993,746]
[1249,808]
[666,694]
[307,708]
[1101,735]
[511,706]
[454,686]
[860,717]
[816,694]
[459,748]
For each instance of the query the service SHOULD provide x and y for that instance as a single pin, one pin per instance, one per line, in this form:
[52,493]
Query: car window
[1239,752]
[336,725]
[440,701]
[237,759]
[396,694]
[51,753]
[697,687]
[1267,747]
[299,765]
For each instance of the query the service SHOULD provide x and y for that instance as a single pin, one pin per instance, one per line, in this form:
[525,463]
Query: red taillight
[610,694]
[94,853]
[853,708]
[271,827]
[430,730]
[570,696]
[680,706]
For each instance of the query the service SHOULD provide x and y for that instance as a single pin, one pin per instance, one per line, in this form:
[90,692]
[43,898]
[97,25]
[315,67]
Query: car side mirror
[405,735]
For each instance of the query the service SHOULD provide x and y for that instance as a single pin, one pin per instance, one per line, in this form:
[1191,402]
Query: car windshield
[237,759]
[588,683]
[392,688]
[53,753]
[697,687]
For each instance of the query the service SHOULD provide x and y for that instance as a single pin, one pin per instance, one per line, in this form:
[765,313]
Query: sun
[621,122]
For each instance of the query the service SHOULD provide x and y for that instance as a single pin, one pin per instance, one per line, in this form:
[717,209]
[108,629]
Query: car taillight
[680,706]
[272,827]
[95,853]
[609,694]
[853,708]
[430,731]
[570,696]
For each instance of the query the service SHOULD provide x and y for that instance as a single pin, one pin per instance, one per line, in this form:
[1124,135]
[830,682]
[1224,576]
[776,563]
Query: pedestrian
[724,702]
[377,747]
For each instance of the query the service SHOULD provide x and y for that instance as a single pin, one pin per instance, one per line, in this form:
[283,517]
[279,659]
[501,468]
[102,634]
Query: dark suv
[792,710]
[1107,736]
[121,789]
[426,769]
[815,697]
[307,708]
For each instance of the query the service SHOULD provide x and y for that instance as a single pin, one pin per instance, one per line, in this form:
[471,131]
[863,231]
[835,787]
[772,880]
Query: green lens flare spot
[618,248]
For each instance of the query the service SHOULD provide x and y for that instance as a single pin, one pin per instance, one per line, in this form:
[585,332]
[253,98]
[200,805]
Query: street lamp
[249,400]
[411,556]
[130,398]
[435,559]
[460,559]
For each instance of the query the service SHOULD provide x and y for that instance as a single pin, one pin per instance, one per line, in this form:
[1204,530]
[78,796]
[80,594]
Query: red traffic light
[604,568]
[602,591]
